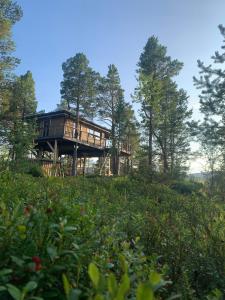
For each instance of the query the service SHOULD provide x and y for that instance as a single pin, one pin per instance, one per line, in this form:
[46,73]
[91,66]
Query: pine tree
[211,83]
[164,110]
[172,134]
[10,13]
[111,106]
[128,132]
[79,89]
[19,130]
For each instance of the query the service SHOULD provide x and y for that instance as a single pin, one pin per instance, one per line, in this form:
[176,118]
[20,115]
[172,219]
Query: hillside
[101,238]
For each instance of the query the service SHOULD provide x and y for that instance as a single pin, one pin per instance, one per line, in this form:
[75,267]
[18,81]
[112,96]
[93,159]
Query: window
[97,133]
[91,131]
[46,127]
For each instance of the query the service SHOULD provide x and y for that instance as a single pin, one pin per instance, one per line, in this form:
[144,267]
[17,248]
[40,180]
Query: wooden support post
[55,157]
[74,164]
[118,164]
[55,152]
[50,146]
[84,165]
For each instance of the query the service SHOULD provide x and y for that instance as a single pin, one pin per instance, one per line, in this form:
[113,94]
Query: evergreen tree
[172,133]
[79,89]
[211,83]
[10,13]
[164,110]
[128,132]
[24,99]
[19,130]
[111,108]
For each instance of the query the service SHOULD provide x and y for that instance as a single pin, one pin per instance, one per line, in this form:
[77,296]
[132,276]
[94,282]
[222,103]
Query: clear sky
[114,31]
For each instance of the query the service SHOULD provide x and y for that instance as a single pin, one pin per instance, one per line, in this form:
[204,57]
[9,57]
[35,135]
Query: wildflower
[37,261]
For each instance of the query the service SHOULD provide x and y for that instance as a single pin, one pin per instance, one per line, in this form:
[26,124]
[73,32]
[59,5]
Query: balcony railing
[69,132]
[84,137]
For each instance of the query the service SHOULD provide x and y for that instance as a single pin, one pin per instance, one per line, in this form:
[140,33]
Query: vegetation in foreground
[108,238]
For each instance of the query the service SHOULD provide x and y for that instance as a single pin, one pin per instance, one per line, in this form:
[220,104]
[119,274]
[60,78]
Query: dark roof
[70,114]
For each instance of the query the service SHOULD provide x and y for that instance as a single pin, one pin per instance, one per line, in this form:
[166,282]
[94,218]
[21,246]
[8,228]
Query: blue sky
[113,31]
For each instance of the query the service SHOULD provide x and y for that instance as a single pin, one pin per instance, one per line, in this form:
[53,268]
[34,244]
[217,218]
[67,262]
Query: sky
[114,31]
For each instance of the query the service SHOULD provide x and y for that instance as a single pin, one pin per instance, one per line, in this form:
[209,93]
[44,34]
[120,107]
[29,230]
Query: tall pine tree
[211,83]
[79,89]
[164,110]
[111,109]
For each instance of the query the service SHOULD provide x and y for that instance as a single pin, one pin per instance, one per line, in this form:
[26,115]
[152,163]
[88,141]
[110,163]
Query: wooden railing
[125,147]
[69,132]
[83,136]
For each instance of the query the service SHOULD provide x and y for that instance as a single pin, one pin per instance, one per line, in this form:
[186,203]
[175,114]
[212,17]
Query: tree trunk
[150,141]
[74,166]
[165,162]
[114,151]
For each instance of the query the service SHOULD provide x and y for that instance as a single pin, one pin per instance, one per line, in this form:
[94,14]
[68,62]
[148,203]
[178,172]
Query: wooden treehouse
[56,140]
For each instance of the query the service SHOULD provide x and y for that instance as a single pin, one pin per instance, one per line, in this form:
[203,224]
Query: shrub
[51,229]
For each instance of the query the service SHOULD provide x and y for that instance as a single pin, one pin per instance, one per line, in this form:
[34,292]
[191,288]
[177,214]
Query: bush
[52,229]
[186,187]
[35,170]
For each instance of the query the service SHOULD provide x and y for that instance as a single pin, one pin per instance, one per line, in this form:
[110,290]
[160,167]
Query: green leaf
[215,295]
[52,252]
[124,287]
[14,291]
[94,274]
[70,228]
[2,288]
[66,285]
[19,262]
[112,285]
[155,278]
[5,272]
[123,263]
[30,286]
[74,294]
[178,296]
[145,292]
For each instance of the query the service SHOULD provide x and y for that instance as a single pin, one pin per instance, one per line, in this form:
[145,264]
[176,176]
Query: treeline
[163,122]
[159,135]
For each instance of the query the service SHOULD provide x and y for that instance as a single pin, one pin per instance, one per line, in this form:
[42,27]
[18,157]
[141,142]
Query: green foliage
[164,110]
[10,14]
[186,187]
[118,114]
[25,167]
[78,88]
[210,131]
[107,238]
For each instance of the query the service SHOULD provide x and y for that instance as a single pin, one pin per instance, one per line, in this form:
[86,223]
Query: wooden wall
[65,127]
[56,127]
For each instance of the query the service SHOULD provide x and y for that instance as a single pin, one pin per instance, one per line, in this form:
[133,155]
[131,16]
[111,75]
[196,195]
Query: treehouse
[57,137]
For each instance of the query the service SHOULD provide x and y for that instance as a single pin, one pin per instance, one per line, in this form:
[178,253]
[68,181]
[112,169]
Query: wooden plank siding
[65,128]
[60,126]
